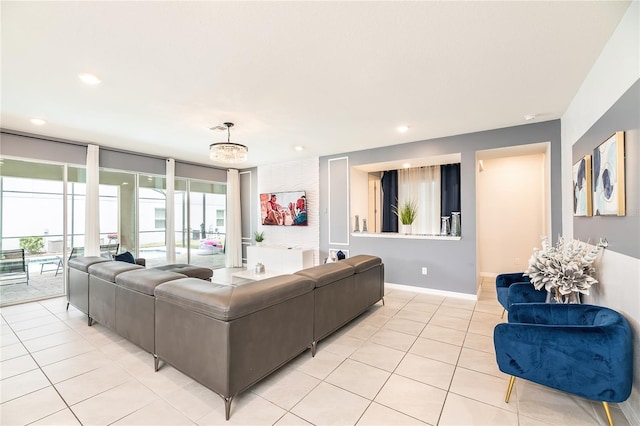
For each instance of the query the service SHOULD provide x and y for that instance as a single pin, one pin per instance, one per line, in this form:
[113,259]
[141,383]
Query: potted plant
[407,213]
[565,270]
[259,237]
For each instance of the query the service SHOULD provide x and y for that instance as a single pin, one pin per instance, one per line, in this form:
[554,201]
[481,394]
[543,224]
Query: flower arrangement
[258,236]
[564,270]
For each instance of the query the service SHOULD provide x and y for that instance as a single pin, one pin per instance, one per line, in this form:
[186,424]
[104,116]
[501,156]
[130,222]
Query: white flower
[565,268]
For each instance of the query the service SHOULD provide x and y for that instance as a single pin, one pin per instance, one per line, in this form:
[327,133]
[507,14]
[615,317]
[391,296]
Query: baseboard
[431,291]
[488,274]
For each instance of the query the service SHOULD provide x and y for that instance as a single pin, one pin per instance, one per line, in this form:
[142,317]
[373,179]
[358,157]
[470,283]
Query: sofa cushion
[82,263]
[363,262]
[188,270]
[146,280]
[110,269]
[327,273]
[227,303]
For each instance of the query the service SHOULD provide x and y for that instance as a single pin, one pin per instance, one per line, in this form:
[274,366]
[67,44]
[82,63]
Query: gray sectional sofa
[229,337]
[120,295]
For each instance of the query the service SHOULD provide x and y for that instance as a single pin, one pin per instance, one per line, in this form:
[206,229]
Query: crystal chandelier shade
[228,152]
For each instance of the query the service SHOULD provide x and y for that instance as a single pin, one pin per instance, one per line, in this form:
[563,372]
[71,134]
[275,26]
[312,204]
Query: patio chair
[106,250]
[13,265]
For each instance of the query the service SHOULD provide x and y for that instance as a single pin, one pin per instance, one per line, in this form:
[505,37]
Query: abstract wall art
[608,177]
[582,187]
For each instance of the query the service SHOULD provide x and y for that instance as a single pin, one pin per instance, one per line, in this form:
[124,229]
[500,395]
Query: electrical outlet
[424,270]
[516,261]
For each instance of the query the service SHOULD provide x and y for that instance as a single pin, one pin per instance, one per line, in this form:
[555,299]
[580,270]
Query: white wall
[300,175]
[615,71]
[510,198]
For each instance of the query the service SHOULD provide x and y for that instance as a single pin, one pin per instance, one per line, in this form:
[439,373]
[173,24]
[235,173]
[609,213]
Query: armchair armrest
[141,261]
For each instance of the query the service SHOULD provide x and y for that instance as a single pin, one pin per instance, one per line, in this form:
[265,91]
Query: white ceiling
[330,76]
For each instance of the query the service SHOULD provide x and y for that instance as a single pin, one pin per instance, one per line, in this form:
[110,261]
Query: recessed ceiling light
[406,165]
[530,117]
[89,79]
[38,121]
[403,129]
[298,148]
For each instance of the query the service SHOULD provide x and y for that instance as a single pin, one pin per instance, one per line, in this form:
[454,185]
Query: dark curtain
[389,184]
[449,189]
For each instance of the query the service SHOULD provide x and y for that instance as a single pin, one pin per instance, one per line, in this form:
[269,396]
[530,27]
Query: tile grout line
[396,367]
[45,375]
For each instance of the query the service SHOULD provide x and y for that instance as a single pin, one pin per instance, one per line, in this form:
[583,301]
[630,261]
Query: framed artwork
[608,177]
[582,187]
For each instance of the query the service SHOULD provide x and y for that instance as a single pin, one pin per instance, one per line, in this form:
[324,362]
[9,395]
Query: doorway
[513,205]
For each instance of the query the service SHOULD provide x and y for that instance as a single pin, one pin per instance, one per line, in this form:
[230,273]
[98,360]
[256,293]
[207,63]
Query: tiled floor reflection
[420,359]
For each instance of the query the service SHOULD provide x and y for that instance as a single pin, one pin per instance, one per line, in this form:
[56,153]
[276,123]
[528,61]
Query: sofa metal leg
[605,404]
[314,348]
[67,306]
[511,382]
[227,406]
[383,301]
[156,362]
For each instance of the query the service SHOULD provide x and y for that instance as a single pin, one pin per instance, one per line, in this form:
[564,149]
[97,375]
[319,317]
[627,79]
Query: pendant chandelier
[227,152]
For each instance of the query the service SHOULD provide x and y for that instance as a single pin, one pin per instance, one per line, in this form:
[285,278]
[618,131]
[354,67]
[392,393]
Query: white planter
[405,229]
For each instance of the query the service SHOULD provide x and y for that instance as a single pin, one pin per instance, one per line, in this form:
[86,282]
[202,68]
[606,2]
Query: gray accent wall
[338,201]
[621,232]
[452,264]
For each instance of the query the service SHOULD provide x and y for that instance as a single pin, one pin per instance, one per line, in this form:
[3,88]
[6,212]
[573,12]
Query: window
[421,185]
[220,218]
[200,236]
[32,218]
[160,218]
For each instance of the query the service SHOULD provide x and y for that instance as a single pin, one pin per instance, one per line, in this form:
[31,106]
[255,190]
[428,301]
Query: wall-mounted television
[284,208]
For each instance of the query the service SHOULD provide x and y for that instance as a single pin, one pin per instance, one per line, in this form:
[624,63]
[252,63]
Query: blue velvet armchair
[585,350]
[516,288]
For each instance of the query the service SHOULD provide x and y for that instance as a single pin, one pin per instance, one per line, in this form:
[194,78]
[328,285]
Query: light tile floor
[420,359]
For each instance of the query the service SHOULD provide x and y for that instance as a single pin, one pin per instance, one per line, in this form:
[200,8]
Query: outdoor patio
[47,284]
[40,286]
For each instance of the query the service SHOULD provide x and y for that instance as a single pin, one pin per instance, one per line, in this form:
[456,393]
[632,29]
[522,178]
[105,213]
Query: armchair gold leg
[511,382]
[605,404]
[503,311]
